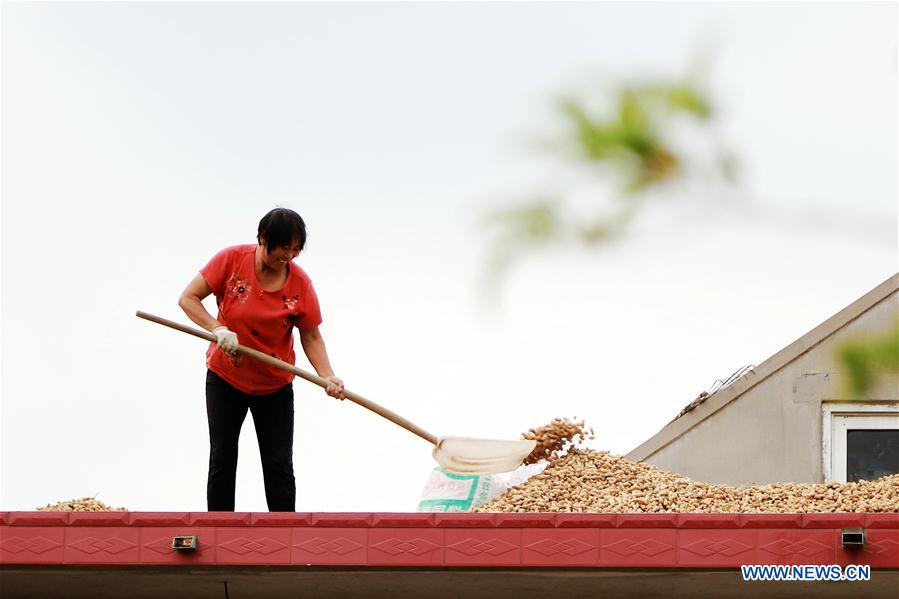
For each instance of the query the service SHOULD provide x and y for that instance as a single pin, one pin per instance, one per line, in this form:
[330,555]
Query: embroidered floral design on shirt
[290,303]
[238,288]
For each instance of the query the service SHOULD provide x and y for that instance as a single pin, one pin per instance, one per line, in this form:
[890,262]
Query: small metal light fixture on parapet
[186,542]
[853,538]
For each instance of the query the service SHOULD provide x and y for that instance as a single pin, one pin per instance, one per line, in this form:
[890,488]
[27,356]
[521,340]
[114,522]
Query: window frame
[837,418]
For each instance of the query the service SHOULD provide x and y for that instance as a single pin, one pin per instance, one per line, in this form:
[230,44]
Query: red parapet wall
[445,540]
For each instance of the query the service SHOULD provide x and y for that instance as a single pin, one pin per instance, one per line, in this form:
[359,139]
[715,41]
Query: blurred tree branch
[867,358]
[632,147]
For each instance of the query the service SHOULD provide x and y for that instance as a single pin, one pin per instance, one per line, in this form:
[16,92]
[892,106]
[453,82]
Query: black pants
[226,409]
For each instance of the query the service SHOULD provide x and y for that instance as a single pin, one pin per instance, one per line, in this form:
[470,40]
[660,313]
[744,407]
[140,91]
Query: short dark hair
[280,227]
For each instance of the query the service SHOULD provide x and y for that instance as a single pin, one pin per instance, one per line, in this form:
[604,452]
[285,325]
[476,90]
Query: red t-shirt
[263,320]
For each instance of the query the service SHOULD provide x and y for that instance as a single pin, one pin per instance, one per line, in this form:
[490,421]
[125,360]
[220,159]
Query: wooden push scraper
[462,455]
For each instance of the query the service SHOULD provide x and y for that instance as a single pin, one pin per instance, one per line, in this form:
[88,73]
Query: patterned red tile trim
[38,518]
[32,545]
[771,520]
[102,545]
[560,547]
[483,547]
[526,520]
[400,519]
[882,520]
[465,520]
[446,540]
[586,520]
[708,520]
[220,518]
[640,548]
[881,549]
[647,520]
[159,518]
[406,547]
[341,519]
[281,519]
[795,547]
[330,546]
[99,519]
[832,520]
[253,545]
[714,548]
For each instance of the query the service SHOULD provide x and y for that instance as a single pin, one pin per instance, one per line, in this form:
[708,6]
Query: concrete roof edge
[717,401]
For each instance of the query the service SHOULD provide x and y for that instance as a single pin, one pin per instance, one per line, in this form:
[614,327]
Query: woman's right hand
[225,339]
[335,387]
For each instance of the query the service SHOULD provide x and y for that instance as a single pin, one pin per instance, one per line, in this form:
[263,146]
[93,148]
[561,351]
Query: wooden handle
[312,378]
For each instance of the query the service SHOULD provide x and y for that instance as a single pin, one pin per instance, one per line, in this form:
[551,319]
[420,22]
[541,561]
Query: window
[871,453]
[861,442]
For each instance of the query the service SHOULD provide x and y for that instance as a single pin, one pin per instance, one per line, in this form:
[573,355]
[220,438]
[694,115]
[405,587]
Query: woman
[261,295]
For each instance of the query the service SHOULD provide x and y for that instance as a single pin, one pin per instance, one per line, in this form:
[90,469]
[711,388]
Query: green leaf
[632,115]
[537,221]
[598,141]
[685,98]
[866,358]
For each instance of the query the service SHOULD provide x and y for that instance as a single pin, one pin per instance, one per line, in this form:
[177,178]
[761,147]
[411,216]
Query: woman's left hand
[335,388]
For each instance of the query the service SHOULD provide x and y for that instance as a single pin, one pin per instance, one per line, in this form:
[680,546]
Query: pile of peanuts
[85,504]
[582,480]
[597,481]
[555,438]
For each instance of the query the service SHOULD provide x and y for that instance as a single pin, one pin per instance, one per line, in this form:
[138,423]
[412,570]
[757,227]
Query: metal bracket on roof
[717,386]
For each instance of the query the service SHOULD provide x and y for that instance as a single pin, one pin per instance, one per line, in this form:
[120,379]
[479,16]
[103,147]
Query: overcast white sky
[138,139]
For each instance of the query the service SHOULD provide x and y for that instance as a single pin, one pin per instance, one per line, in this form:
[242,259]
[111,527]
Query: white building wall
[773,432]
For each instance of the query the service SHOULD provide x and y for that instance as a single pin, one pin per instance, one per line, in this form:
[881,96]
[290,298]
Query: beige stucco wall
[773,431]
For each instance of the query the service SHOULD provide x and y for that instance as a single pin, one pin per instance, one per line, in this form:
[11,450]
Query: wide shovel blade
[465,455]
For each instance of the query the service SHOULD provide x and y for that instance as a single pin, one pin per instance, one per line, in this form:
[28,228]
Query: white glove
[225,339]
